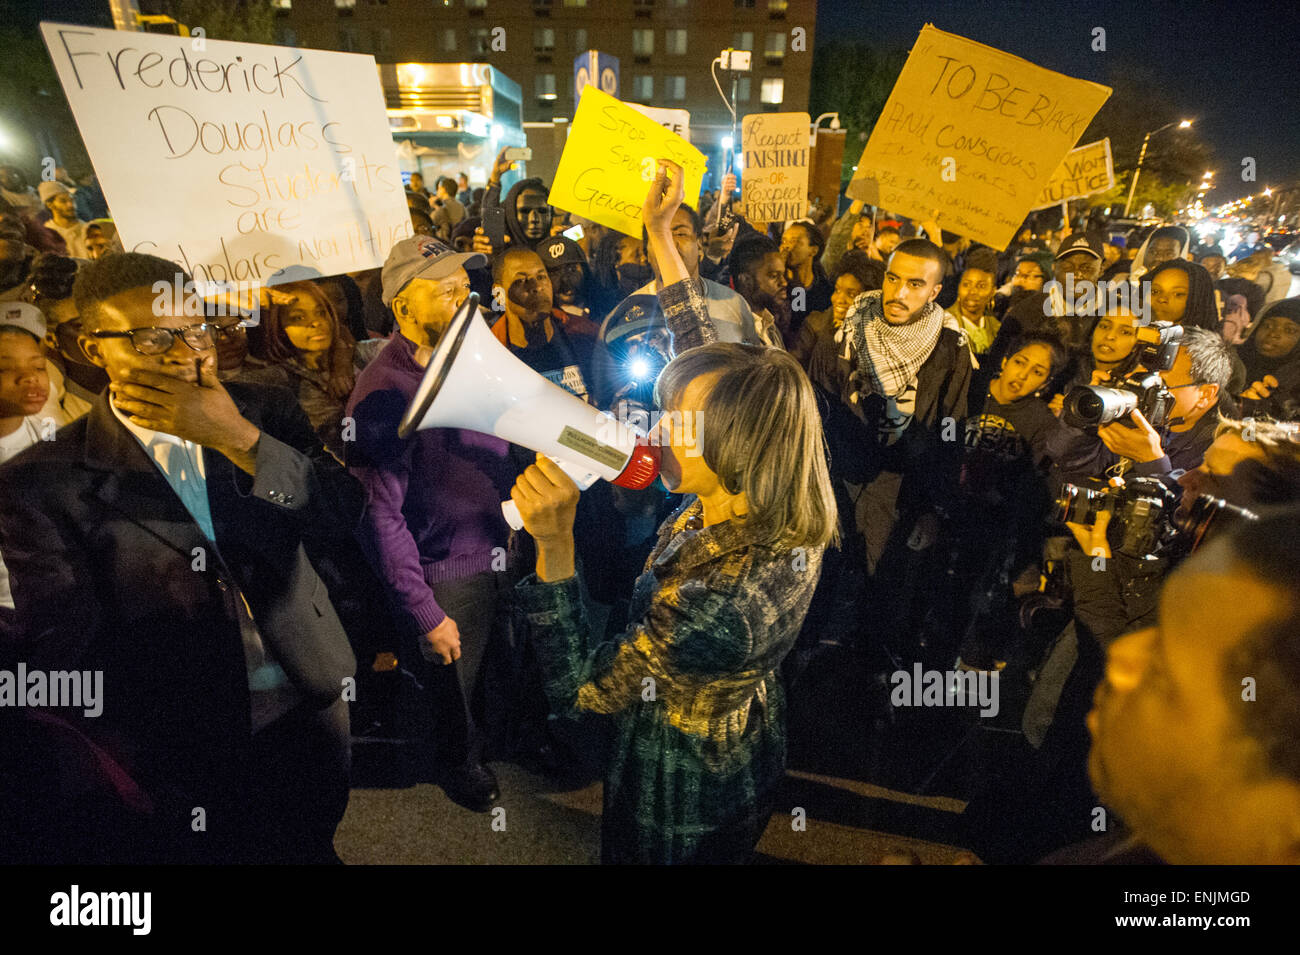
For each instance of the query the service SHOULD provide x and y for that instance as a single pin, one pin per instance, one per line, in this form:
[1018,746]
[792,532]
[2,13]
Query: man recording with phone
[522,218]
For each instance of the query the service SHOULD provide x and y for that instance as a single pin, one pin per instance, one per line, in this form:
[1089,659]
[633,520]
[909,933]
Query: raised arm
[679,296]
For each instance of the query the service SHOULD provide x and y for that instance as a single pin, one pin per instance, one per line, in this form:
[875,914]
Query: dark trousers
[299,785]
[279,800]
[469,695]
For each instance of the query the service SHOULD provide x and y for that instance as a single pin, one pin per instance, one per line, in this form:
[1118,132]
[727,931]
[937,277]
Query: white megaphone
[474,382]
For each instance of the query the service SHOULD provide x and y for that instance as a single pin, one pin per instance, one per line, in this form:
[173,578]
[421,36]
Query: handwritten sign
[973,133]
[1084,172]
[775,183]
[609,162]
[674,120]
[244,163]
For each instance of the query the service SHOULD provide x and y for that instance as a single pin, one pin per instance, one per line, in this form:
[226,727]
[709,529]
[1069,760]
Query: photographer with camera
[1110,421]
[1169,389]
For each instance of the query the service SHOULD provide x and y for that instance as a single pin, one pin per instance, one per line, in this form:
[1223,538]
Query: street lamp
[1184,124]
[835,124]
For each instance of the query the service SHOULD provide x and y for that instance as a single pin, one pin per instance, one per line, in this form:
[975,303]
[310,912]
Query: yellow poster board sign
[970,136]
[774,186]
[609,162]
[1084,172]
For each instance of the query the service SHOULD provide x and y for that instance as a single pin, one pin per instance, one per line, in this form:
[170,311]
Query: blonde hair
[761,434]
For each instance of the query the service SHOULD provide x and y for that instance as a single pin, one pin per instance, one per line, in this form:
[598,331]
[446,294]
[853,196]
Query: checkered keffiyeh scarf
[888,357]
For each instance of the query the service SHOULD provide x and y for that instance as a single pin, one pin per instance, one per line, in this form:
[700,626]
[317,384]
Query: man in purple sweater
[433,525]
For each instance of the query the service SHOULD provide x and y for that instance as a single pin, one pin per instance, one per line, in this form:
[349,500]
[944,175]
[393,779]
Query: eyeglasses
[157,341]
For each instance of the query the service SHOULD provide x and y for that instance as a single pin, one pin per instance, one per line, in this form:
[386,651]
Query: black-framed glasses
[158,340]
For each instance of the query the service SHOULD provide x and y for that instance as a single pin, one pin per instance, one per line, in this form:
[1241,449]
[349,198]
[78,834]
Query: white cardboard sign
[240,161]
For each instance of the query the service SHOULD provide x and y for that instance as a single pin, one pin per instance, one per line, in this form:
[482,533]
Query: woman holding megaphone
[693,682]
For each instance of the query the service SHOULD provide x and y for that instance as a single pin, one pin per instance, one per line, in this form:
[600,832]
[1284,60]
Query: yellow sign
[1084,172]
[775,171]
[609,162]
[970,136]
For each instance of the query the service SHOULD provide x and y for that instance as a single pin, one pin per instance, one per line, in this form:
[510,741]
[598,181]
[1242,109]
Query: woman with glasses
[303,338]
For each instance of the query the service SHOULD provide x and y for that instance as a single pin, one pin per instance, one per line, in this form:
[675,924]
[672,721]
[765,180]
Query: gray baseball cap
[423,257]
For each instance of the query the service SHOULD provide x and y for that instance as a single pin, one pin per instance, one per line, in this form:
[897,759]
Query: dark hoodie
[1284,402]
[514,229]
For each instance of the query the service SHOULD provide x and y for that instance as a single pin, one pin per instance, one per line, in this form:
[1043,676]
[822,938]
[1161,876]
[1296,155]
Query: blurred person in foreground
[697,762]
[1194,728]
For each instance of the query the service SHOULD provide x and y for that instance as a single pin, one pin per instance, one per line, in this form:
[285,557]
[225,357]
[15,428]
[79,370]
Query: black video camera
[1138,504]
[1208,514]
[1128,388]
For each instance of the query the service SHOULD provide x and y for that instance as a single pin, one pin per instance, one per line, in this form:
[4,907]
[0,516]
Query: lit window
[773,90]
[742,89]
[575,3]
[544,85]
[743,41]
[775,44]
[675,87]
[675,42]
[579,40]
[543,40]
[481,41]
[282,4]
[476,4]
[345,4]
[643,88]
[777,6]
[643,42]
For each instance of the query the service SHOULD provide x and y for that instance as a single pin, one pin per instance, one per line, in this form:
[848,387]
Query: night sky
[1232,66]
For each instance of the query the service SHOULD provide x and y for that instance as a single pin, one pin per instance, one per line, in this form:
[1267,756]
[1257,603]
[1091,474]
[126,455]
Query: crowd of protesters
[926,375]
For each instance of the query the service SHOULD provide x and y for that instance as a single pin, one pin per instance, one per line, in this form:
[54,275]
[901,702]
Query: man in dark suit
[163,539]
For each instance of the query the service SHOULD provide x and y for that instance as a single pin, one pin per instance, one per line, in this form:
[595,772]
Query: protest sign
[242,162]
[774,187]
[1084,172]
[609,162]
[970,136]
[674,120]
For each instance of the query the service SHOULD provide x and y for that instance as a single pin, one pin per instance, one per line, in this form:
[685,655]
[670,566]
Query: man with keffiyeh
[905,373]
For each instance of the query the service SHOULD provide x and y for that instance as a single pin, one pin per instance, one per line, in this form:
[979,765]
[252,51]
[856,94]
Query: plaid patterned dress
[693,683]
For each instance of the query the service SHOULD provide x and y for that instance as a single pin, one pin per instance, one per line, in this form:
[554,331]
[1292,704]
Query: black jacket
[108,575]
[929,450]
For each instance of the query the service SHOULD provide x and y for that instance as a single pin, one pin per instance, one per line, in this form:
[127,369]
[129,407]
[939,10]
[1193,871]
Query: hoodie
[492,198]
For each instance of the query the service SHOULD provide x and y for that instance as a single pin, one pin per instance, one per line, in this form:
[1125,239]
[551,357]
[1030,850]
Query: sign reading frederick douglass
[1084,172]
[970,136]
[609,162]
[237,160]
[775,183]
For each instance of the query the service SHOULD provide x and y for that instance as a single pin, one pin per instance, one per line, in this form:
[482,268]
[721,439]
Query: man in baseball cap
[63,217]
[1078,264]
[570,275]
[433,525]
